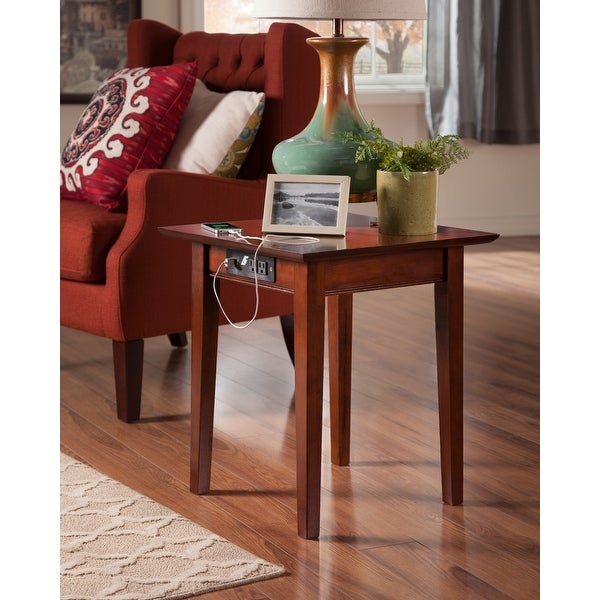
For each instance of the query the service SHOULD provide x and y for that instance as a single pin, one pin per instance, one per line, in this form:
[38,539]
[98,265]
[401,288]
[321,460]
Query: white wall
[496,189]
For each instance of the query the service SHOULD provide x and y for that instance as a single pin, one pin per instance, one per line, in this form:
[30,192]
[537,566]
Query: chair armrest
[152,271]
[161,197]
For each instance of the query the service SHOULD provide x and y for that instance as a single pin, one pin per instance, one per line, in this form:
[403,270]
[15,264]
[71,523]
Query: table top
[358,240]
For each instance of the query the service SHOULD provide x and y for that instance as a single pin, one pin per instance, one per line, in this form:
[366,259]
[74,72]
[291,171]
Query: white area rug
[119,545]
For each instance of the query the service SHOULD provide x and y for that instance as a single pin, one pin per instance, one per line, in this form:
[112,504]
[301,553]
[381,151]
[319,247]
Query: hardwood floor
[385,534]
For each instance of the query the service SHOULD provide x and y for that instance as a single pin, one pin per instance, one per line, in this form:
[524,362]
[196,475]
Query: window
[393,59]
[394,56]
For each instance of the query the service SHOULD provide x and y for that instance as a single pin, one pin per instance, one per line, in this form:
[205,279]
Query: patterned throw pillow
[129,124]
[236,154]
[216,131]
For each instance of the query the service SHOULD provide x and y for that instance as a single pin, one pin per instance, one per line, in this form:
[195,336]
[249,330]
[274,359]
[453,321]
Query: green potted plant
[407,177]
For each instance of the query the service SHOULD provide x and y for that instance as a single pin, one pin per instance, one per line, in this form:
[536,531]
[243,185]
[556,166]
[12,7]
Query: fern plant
[438,153]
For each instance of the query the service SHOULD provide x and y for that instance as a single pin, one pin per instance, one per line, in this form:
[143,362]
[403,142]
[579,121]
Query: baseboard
[505,226]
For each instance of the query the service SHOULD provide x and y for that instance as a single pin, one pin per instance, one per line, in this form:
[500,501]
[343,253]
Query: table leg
[205,331]
[339,310]
[309,340]
[449,341]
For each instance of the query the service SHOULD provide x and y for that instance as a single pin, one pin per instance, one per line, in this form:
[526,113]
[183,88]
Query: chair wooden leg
[287,328]
[128,360]
[178,340]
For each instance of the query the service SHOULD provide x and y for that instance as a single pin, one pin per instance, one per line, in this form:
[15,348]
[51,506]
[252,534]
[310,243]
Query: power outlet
[240,263]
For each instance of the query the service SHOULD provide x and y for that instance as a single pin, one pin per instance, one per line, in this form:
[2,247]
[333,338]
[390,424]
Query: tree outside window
[393,58]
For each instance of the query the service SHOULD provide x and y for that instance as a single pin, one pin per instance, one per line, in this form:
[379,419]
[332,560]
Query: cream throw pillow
[216,131]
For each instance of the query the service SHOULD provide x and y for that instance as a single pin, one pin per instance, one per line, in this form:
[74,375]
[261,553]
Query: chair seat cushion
[87,233]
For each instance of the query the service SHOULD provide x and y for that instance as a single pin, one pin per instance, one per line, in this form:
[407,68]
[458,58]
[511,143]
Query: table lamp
[318,149]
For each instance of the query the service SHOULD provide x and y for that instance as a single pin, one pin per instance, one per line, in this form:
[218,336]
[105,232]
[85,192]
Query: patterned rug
[117,544]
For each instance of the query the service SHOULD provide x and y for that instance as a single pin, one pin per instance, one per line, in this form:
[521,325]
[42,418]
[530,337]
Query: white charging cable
[292,240]
[275,239]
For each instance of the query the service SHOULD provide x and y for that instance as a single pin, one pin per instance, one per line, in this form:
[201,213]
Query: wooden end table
[332,271]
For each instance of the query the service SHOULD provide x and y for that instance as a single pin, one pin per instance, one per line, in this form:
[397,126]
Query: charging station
[243,264]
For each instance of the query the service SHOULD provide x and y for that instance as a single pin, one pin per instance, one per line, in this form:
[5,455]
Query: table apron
[353,273]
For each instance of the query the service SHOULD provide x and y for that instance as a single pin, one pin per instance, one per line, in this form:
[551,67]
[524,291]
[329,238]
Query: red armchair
[122,279]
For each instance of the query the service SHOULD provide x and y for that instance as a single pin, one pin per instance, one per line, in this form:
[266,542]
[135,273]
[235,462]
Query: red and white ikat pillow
[129,124]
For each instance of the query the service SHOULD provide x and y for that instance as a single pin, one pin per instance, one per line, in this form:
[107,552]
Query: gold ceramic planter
[407,207]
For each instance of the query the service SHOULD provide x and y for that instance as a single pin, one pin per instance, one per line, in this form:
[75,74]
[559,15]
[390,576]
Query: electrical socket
[240,263]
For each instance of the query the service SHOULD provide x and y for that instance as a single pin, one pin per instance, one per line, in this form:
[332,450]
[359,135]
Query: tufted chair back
[259,62]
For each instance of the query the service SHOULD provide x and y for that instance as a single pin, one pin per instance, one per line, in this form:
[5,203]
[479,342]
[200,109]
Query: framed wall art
[93,44]
[298,204]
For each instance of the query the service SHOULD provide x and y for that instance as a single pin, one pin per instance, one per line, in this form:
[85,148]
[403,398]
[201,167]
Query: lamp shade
[350,10]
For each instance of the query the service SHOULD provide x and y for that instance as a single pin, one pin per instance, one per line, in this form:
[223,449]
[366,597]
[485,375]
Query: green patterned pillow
[233,160]
[216,132]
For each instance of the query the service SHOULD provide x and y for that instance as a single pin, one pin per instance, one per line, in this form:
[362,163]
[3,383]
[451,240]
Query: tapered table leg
[449,341]
[309,339]
[339,310]
[205,318]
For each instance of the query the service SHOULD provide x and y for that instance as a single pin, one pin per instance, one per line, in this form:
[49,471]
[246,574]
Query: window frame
[397,88]
[410,83]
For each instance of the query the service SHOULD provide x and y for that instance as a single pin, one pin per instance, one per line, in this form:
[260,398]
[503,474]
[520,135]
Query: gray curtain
[483,70]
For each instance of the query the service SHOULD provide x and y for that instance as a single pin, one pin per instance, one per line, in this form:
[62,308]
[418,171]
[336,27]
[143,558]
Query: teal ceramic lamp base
[318,149]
